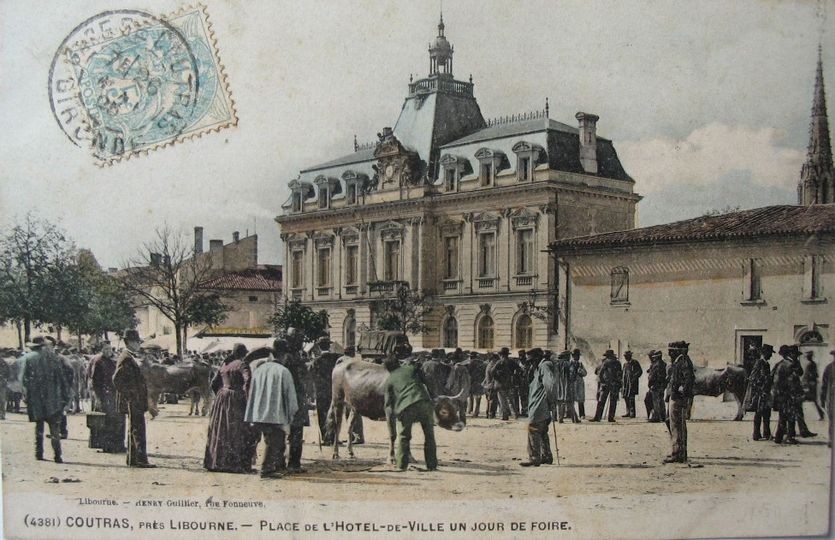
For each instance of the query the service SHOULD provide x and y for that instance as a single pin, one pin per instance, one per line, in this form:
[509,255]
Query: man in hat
[476,367]
[798,392]
[782,399]
[47,392]
[542,398]
[760,389]
[680,384]
[828,394]
[504,374]
[295,437]
[656,383]
[132,398]
[458,384]
[522,381]
[577,373]
[565,394]
[632,372]
[102,369]
[609,378]
[407,396]
[272,406]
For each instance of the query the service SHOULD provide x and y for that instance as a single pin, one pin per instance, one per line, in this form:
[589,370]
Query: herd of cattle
[336,390]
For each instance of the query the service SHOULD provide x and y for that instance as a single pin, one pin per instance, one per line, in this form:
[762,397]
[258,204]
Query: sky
[707,103]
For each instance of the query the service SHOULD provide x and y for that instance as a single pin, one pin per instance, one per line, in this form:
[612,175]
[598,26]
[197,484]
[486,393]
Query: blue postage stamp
[126,82]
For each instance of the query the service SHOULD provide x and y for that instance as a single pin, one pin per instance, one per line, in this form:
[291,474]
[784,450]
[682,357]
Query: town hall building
[456,205]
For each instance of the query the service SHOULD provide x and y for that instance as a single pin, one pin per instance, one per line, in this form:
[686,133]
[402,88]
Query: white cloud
[710,155]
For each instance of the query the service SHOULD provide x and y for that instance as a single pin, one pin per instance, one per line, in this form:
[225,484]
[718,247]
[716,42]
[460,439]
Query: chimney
[236,236]
[156,259]
[198,240]
[215,244]
[588,141]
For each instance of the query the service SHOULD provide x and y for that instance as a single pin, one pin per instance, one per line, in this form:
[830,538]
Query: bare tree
[168,275]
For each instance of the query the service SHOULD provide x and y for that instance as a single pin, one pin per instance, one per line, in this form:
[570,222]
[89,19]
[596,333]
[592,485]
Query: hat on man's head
[628,353]
[794,350]
[766,348]
[280,345]
[564,354]
[131,335]
[678,345]
[576,351]
[37,343]
[504,351]
[609,354]
[473,354]
[653,354]
[785,350]
[536,352]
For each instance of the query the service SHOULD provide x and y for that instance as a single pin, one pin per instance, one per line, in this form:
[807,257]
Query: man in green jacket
[408,399]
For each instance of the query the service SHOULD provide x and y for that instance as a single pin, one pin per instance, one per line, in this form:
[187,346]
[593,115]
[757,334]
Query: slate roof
[263,278]
[783,220]
[354,157]
[511,129]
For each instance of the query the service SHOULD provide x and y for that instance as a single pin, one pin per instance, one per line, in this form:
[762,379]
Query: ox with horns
[361,385]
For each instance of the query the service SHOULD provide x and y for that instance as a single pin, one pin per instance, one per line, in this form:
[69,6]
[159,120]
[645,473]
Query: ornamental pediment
[451,228]
[296,242]
[391,230]
[486,221]
[322,241]
[350,235]
[524,147]
[306,188]
[523,217]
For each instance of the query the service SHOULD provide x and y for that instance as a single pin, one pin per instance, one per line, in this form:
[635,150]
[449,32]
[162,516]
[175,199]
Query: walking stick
[556,446]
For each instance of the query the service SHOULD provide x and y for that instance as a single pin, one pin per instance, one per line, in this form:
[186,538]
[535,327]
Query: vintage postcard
[462,269]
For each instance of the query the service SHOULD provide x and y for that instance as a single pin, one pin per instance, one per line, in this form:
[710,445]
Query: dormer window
[355,184]
[454,168]
[527,156]
[490,162]
[299,193]
[328,187]
[297,202]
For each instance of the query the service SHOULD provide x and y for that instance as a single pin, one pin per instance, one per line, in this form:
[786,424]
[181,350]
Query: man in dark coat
[102,369]
[798,392]
[132,399]
[491,386]
[782,399]
[760,388]
[522,382]
[577,374]
[828,394]
[609,379]
[504,375]
[656,383]
[542,400]
[291,360]
[632,372]
[810,382]
[680,385]
[47,392]
[322,370]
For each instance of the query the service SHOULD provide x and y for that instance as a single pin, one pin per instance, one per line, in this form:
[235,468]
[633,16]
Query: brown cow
[178,379]
[715,382]
[361,385]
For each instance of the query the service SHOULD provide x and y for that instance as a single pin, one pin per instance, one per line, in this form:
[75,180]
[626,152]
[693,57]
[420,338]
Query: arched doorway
[484,333]
[524,332]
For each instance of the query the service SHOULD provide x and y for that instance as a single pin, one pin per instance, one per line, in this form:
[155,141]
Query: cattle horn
[458,397]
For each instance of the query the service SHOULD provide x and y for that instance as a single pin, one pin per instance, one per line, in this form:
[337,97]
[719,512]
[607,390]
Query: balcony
[526,281]
[386,286]
[296,294]
[487,282]
[323,290]
[451,285]
[351,289]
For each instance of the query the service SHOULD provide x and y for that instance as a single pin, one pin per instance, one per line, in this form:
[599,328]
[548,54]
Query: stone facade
[453,204]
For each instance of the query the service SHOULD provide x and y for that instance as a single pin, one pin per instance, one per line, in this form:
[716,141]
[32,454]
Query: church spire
[817,181]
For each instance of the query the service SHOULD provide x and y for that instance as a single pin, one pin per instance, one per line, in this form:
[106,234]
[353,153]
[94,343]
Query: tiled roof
[770,220]
[266,278]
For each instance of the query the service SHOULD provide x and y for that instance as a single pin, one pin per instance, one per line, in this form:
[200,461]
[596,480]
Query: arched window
[450,333]
[350,331]
[524,332]
[484,333]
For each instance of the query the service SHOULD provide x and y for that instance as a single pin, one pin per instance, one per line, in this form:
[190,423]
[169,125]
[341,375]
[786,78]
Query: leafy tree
[29,254]
[405,311]
[168,275]
[207,309]
[293,314]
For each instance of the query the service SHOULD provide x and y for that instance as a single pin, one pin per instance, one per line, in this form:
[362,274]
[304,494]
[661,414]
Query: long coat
[131,390]
[610,375]
[45,384]
[576,375]
[272,396]
[632,372]
[563,383]
[542,393]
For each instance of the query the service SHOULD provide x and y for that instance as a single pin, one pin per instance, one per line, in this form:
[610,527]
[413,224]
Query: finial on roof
[356,146]
[471,78]
[546,108]
[441,23]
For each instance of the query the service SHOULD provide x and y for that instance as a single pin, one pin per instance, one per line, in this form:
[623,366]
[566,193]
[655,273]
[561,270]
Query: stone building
[454,204]
[721,283]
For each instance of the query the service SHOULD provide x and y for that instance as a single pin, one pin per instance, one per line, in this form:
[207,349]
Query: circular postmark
[123,81]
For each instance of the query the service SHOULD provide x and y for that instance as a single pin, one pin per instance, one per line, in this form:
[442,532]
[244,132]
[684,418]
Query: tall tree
[167,275]
[207,309]
[405,310]
[28,253]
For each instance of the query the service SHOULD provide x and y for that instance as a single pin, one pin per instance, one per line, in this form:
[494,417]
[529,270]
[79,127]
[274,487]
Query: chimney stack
[215,244]
[588,141]
[236,236]
[198,240]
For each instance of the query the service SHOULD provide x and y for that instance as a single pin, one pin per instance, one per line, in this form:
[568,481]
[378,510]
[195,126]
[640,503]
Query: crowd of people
[269,395]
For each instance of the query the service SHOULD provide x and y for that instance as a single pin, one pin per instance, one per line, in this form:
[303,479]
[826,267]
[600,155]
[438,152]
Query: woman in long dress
[227,448]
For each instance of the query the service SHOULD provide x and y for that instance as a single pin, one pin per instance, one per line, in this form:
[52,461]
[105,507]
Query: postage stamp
[125,82]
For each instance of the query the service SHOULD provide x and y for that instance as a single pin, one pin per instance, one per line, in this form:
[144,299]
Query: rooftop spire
[440,51]
[816,177]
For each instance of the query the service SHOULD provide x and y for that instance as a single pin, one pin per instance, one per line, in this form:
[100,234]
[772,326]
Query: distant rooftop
[782,220]
[265,277]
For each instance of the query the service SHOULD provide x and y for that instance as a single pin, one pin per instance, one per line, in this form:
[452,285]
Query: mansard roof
[782,220]
[513,129]
[359,156]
